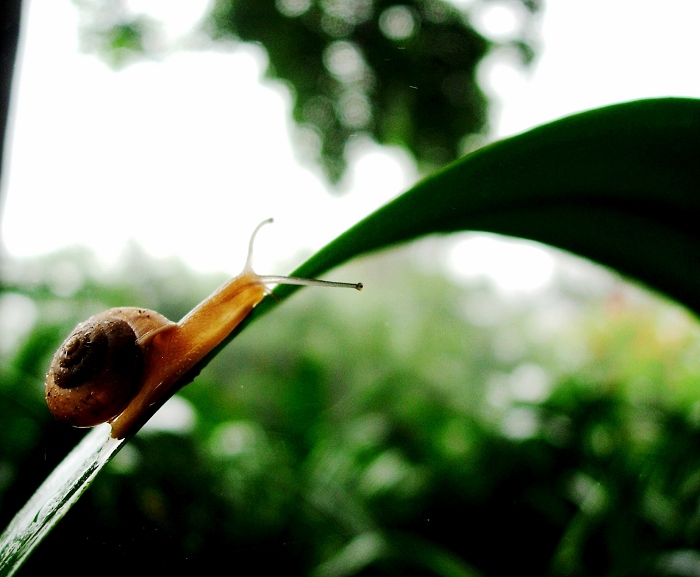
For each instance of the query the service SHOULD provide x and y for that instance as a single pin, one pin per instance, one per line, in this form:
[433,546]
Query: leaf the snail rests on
[120,365]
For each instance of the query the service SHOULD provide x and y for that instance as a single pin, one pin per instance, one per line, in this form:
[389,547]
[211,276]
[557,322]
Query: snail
[120,365]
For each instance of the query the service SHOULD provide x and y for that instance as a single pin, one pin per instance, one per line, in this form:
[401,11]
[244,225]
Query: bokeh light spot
[397,23]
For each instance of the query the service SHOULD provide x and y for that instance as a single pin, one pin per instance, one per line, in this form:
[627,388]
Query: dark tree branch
[10,11]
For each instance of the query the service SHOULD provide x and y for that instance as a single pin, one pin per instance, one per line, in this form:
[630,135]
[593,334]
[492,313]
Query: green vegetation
[400,432]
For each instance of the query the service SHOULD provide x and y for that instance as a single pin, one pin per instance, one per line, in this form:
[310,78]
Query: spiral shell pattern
[95,372]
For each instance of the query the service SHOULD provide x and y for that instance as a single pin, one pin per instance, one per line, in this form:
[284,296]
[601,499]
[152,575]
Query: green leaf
[619,185]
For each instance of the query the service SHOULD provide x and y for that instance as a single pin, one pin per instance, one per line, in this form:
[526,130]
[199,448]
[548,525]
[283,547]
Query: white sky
[185,156]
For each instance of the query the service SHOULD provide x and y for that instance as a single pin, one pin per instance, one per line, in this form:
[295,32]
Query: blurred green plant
[393,435]
[396,438]
[401,72]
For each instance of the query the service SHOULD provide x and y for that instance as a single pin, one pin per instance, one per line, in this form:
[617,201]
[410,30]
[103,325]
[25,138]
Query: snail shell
[99,367]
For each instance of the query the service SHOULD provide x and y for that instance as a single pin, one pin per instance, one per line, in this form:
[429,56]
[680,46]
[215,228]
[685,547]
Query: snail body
[120,365]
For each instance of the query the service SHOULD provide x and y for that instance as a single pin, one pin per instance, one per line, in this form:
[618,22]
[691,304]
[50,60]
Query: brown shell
[99,367]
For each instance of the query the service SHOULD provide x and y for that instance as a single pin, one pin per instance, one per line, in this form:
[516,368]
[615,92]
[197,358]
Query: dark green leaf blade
[619,185]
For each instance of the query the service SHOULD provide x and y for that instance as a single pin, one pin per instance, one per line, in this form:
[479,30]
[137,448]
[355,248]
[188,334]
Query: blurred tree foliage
[403,72]
[430,428]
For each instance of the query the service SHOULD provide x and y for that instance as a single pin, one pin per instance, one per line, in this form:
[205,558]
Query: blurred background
[486,406]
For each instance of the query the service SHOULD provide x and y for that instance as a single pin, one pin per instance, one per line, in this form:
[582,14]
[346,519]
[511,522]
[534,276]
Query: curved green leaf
[619,185]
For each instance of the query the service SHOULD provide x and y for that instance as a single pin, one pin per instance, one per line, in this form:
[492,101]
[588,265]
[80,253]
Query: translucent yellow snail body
[117,364]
